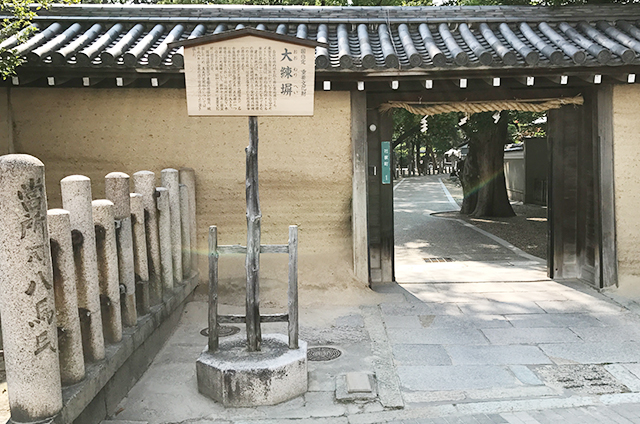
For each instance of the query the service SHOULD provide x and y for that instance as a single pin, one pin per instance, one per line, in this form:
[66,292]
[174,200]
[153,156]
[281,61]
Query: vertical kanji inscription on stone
[26,292]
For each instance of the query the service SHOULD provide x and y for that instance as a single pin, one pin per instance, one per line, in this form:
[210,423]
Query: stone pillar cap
[117,175]
[144,173]
[102,202]
[58,212]
[75,178]
[20,160]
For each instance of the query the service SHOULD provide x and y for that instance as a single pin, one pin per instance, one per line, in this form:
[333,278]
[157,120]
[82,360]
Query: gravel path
[527,230]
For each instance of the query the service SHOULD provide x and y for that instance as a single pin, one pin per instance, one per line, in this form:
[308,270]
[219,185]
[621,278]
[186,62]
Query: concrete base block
[235,377]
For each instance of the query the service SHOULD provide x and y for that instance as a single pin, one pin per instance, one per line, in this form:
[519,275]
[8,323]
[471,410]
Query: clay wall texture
[626,127]
[305,170]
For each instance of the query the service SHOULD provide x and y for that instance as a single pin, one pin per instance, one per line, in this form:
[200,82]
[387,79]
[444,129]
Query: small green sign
[386,162]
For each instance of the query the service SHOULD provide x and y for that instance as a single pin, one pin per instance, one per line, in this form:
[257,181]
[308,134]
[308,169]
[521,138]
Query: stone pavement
[527,352]
[511,347]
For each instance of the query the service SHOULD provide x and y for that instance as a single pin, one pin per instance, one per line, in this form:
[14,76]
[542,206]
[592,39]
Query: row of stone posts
[71,278]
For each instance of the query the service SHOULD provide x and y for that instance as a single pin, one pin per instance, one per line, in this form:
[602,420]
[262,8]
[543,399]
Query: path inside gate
[433,249]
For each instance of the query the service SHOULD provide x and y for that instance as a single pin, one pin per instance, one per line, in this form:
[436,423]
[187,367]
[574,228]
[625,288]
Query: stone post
[66,297]
[185,231]
[164,233]
[144,182]
[170,180]
[141,265]
[188,178]
[117,190]
[76,198]
[26,292]
[109,275]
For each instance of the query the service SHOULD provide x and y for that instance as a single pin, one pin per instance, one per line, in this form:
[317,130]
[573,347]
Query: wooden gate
[581,210]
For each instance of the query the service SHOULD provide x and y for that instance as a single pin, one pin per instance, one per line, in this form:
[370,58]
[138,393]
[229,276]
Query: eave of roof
[362,41]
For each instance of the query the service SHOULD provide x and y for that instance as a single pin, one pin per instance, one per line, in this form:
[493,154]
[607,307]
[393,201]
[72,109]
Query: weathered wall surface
[6,130]
[305,170]
[626,153]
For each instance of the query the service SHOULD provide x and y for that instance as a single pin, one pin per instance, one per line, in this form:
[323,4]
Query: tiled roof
[361,39]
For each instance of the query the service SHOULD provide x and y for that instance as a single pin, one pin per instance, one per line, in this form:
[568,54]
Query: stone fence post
[170,180]
[109,275]
[185,231]
[26,292]
[76,198]
[141,264]
[66,295]
[164,231]
[117,190]
[145,183]
[188,178]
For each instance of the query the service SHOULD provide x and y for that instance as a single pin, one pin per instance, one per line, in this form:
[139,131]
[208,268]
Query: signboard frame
[233,74]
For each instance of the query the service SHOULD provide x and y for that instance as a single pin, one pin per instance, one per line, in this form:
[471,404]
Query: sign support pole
[254,217]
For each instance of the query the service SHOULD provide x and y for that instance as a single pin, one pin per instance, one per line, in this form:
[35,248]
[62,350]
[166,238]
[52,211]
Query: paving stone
[402,321]
[408,354]
[496,355]
[510,393]
[592,353]
[570,306]
[501,308]
[444,336]
[521,296]
[624,376]
[621,333]
[511,336]
[554,320]
[434,396]
[425,378]
[525,375]
[479,321]
[419,309]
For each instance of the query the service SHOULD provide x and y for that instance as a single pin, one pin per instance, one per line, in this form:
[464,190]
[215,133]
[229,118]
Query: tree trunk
[483,175]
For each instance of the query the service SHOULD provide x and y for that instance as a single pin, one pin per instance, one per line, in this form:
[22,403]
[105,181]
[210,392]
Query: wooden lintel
[493,81]
[23,79]
[627,78]
[427,83]
[559,79]
[53,81]
[91,81]
[529,81]
[461,82]
[159,81]
[264,248]
[124,81]
[241,319]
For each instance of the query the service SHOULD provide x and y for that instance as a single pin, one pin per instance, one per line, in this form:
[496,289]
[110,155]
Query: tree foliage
[18,23]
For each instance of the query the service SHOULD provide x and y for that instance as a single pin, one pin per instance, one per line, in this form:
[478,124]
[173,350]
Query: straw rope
[539,105]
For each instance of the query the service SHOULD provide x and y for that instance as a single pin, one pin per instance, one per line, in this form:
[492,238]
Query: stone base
[235,377]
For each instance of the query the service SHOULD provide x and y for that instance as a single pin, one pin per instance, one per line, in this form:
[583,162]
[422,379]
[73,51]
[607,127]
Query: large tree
[483,182]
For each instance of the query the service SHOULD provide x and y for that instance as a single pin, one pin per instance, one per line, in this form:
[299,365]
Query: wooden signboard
[249,73]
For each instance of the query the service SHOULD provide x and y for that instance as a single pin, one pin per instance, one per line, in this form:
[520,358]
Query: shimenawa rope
[539,105]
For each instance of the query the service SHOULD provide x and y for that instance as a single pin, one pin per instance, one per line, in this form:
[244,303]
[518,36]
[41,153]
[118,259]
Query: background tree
[483,181]
[21,13]
[419,140]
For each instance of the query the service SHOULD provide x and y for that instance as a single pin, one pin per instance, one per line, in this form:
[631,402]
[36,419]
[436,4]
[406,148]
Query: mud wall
[305,170]
[626,154]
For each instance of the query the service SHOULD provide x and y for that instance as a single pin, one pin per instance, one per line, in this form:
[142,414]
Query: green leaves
[21,13]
